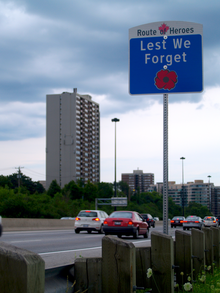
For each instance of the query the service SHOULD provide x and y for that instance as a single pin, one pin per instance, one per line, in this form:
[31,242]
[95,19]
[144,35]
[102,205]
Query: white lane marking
[21,241]
[147,240]
[83,249]
[74,250]
[38,231]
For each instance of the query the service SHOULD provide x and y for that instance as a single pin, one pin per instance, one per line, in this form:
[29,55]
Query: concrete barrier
[25,224]
[21,271]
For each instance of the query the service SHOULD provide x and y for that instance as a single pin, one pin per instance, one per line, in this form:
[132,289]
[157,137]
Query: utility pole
[19,175]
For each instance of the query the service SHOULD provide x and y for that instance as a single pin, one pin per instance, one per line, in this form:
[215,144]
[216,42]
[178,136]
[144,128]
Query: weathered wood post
[216,245]
[183,257]
[87,274]
[209,251]
[162,257]
[118,265]
[143,262]
[21,271]
[198,252]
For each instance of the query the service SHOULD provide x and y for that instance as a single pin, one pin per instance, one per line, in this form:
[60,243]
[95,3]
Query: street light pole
[115,120]
[182,158]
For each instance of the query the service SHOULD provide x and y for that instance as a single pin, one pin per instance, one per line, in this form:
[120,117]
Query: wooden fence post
[20,270]
[87,275]
[209,251]
[162,256]
[183,256]
[143,263]
[216,245]
[198,252]
[118,265]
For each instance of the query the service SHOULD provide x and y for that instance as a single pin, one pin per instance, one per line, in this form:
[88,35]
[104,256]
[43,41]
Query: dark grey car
[149,219]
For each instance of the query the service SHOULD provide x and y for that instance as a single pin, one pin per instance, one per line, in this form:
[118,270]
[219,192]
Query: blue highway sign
[165,57]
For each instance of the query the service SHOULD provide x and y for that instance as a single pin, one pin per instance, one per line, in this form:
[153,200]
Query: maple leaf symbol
[163,28]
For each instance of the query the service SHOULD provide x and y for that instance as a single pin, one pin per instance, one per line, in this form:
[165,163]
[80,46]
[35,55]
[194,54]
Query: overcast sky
[53,46]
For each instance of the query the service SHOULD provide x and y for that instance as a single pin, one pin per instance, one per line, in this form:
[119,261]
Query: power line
[35,172]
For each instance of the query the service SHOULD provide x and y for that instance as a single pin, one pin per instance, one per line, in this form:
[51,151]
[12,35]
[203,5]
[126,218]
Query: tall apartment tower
[72,138]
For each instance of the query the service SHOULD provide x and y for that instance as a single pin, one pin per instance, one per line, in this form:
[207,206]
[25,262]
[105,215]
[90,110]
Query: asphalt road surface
[62,247]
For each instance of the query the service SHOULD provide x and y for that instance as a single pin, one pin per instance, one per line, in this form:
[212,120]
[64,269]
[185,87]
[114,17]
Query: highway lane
[62,247]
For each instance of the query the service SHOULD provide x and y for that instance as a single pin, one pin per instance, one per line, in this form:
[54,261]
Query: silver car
[193,222]
[209,221]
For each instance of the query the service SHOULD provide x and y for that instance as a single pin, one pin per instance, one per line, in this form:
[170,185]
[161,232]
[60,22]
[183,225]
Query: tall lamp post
[182,158]
[209,176]
[115,120]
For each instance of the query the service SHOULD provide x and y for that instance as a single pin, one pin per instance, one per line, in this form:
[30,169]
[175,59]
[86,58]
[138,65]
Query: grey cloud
[84,44]
[19,120]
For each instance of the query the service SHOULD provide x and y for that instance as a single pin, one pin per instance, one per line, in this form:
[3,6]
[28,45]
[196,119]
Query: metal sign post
[165,163]
[165,57]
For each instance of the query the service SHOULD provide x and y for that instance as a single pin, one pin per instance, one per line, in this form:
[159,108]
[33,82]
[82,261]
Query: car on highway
[149,219]
[1,226]
[126,223]
[90,220]
[210,221]
[218,219]
[177,221]
[156,219]
[193,222]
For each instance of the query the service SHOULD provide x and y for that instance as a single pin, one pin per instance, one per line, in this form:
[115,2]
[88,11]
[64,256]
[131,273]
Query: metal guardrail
[59,279]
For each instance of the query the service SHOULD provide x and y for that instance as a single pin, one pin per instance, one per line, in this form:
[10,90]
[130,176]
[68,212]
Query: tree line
[31,200]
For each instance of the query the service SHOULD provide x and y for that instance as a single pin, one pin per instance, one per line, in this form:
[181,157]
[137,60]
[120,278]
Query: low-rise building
[198,191]
[138,181]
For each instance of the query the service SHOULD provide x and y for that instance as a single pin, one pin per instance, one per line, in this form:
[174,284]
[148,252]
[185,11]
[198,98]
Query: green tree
[54,188]
[4,181]
[197,209]
[124,188]
[73,190]
[105,190]
[24,182]
[90,191]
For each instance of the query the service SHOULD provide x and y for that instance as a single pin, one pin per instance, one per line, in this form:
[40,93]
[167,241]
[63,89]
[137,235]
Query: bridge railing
[122,267]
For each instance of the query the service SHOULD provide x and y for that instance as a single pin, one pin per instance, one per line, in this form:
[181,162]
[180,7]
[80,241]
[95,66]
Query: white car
[90,220]
[210,221]
[0,225]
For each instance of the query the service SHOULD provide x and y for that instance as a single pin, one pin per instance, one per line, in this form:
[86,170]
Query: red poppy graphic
[166,79]
[163,28]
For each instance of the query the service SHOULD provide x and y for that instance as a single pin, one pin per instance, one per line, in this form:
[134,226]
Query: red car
[125,223]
